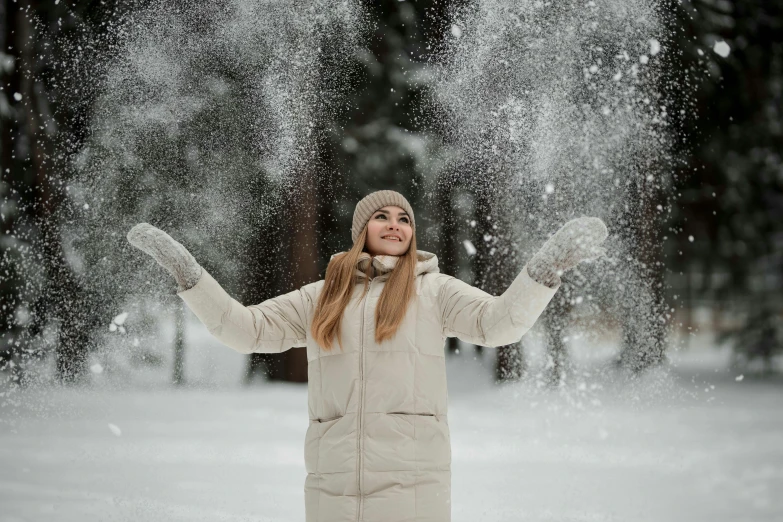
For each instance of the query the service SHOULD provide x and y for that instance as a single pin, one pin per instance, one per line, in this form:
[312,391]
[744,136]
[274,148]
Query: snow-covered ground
[700,444]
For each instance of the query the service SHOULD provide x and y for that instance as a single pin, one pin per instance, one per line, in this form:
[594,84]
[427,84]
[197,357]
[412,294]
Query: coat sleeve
[479,318]
[275,325]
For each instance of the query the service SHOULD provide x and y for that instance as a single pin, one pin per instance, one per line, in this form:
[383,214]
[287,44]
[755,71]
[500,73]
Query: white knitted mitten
[169,254]
[576,241]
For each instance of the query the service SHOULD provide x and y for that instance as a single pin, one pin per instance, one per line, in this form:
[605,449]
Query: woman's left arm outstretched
[480,318]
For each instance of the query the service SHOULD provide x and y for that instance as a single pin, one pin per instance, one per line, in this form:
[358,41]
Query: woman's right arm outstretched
[272,326]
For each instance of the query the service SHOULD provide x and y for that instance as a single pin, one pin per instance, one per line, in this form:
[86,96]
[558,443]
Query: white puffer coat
[378,447]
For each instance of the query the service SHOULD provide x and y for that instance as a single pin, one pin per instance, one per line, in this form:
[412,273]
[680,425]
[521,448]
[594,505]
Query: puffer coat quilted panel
[377,448]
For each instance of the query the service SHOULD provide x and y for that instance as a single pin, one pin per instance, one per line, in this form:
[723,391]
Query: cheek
[373,227]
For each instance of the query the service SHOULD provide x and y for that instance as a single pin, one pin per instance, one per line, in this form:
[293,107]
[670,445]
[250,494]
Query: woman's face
[389,232]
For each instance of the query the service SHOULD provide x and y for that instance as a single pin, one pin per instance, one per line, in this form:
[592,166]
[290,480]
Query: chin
[386,250]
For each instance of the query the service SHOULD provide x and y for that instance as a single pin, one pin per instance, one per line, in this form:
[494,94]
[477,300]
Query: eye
[404,220]
[381,216]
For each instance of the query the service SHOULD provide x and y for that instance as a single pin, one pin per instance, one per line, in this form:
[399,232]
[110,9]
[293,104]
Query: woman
[377,448]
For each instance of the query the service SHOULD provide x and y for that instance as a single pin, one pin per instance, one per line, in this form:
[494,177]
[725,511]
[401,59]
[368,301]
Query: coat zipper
[361,407]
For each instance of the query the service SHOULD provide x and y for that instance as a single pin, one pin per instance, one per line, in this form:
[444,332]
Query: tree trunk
[556,318]
[644,331]
[303,206]
[179,344]
[493,262]
[448,243]
[70,303]
[269,280]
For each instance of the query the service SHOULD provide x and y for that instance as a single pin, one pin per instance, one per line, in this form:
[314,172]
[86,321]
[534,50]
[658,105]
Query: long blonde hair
[338,288]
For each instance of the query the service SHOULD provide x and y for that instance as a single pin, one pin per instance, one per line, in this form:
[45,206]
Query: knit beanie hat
[372,202]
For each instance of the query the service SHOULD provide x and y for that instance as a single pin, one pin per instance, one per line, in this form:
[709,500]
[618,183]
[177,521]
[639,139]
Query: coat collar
[382,265]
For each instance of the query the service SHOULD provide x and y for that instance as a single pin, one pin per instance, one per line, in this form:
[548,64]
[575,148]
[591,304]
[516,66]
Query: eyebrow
[403,213]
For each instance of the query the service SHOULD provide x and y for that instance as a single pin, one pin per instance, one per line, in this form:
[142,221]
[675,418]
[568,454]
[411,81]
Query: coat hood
[384,264]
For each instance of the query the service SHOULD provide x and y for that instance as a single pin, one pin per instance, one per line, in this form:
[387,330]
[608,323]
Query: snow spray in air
[553,110]
[206,114]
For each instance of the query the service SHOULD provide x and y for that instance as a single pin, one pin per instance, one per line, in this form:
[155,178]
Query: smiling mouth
[392,238]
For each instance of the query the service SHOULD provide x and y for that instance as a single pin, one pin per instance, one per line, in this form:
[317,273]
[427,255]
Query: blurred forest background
[720,268]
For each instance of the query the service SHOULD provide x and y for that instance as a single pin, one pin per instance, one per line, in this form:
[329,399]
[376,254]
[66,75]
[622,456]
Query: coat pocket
[410,413]
[330,445]
[329,418]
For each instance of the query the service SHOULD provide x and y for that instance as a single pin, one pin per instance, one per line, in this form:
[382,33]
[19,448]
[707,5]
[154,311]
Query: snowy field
[701,444]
